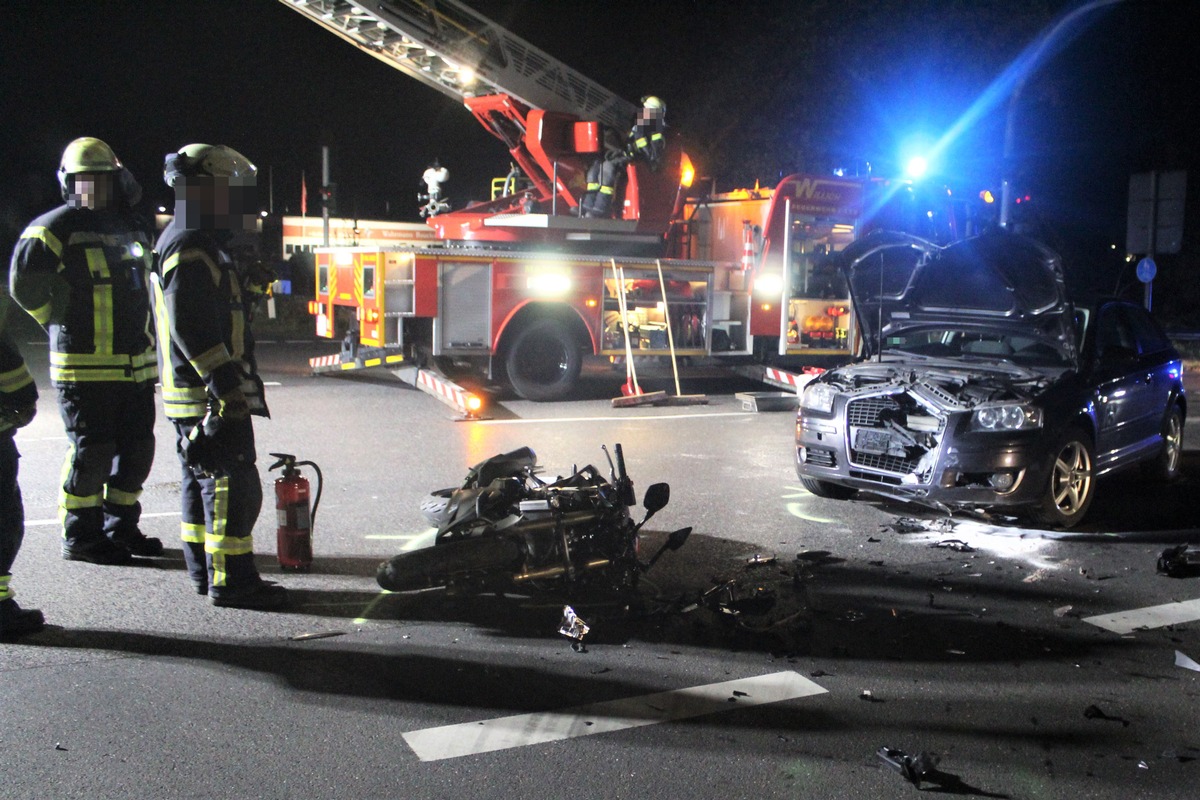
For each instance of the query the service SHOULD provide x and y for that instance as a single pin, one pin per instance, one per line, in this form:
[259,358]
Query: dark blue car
[982,386]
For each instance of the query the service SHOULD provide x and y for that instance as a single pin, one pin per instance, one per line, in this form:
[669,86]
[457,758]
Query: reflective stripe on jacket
[82,274]
[205,345]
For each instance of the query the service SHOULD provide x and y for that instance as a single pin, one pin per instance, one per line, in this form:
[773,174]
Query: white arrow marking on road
[469,738]
[1151,617]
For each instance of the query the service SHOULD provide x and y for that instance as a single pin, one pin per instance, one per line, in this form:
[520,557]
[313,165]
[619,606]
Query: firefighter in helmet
[81,271]
[211,388]
[18,404]
[646,141]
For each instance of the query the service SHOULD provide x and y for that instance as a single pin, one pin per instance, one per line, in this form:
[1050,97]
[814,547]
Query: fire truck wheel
[543,362]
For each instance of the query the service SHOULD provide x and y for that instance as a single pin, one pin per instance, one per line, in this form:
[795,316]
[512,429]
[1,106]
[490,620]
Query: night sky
[150,76]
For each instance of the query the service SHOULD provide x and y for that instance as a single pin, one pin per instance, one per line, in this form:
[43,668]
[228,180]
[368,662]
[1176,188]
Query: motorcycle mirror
[657,497]
[677,538]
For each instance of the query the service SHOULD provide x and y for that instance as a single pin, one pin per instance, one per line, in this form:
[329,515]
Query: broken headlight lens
[818,397]
[1008,417]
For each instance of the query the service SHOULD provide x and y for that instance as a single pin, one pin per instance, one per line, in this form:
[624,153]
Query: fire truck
[523,286]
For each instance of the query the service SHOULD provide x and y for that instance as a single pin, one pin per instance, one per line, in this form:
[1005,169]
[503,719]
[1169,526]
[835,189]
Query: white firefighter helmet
[86,154]
[208,161]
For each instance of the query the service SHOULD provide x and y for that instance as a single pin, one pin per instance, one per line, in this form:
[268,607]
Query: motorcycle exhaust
[554,572]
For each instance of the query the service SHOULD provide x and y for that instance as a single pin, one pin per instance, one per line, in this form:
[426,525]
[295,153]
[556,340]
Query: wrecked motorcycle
[506,528]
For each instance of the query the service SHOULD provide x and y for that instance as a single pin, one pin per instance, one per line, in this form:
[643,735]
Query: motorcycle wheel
[443,564]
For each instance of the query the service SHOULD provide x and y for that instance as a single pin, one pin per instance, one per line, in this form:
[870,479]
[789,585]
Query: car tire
[544,361]
[1070,482]
[1165,466]
[831,491]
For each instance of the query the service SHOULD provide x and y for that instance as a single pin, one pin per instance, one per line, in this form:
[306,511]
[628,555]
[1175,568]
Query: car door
[1156,377]
[1120,389]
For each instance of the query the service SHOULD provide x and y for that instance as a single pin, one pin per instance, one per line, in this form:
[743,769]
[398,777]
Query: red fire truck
[523,286]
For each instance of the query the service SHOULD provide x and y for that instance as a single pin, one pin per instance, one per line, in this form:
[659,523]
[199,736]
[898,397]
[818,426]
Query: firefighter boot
[138,543]
[16,621]
[262,595]
[96,551]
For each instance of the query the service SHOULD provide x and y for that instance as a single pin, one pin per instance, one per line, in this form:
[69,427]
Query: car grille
[864,412]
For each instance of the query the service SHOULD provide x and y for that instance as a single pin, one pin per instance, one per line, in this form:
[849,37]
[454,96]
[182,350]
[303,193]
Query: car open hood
[997,281]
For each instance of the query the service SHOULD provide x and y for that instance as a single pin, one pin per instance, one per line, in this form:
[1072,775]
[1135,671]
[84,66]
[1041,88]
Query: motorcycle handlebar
[622,475]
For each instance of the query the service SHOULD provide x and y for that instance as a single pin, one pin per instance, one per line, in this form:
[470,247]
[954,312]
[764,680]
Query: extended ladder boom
[449,46]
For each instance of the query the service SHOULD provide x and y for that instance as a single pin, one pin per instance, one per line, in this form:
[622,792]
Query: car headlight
[1006,417]
[818,397]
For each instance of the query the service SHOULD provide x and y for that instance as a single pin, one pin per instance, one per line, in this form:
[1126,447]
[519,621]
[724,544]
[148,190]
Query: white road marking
[469,738]
[56,521]
[613,418]
[1123,622]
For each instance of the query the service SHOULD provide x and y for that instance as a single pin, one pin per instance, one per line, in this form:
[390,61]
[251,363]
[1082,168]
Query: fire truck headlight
[549,284]
[768,285]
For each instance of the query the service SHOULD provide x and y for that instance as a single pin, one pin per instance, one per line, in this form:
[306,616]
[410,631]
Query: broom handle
[662,284]
[620,278]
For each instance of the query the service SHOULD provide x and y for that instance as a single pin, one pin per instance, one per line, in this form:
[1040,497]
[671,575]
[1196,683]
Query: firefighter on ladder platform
[81,272]
[646,141]
[210,382]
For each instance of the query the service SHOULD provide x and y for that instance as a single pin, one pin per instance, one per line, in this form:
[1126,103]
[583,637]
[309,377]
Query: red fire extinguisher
[295,518]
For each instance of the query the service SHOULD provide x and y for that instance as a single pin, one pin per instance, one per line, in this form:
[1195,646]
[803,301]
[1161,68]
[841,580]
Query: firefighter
[211,387]
[81,272]
[18,404]
[646,141]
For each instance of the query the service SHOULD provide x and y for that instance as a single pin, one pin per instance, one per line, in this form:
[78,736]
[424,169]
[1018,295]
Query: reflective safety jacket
[17,389]
[647,141]
[82,274]
[205,345]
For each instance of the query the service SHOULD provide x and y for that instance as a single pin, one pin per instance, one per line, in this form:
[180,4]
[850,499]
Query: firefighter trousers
[111,429]
[12,512]
[219,511]
[602,177]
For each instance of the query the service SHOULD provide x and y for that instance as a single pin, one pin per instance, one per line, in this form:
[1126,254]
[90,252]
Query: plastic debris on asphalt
[1094,712]
[1181,561]
[573,628]
[914,769]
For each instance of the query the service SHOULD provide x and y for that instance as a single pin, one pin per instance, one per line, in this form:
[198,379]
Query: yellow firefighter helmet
[86,154]
[208,161]
[652,103]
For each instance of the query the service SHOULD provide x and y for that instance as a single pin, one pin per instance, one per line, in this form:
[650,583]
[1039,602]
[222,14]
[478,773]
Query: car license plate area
[872,441]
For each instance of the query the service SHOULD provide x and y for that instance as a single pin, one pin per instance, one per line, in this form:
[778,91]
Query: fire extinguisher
[295,518]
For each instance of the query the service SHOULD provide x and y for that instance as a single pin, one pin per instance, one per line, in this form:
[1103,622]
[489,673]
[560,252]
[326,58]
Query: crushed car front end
[937,435]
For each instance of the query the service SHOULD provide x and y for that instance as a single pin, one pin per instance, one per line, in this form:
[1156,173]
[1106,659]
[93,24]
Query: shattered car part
[914,769]
[1181,561]
[572,626]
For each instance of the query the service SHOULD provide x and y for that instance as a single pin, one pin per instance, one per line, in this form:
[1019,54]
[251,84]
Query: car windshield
[975,345]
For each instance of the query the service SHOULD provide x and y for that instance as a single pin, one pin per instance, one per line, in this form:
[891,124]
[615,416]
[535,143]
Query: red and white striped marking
[789,379]
[447,391]
[325,361]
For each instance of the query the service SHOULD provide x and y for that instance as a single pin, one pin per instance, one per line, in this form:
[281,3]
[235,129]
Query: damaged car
[982,386]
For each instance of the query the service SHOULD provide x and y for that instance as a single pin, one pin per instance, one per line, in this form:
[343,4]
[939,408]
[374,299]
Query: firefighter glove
[233,405]
[17,417]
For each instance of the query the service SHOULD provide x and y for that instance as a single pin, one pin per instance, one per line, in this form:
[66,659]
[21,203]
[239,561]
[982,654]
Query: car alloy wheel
[1071,483]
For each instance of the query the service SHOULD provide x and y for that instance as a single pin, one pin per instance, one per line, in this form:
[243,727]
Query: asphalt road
[861,632]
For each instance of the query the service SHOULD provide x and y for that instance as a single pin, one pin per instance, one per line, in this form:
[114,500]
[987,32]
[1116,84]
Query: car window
[1113,333]
[1150,338]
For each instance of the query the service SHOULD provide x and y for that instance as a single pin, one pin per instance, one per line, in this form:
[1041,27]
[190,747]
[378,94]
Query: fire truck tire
[543,362]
